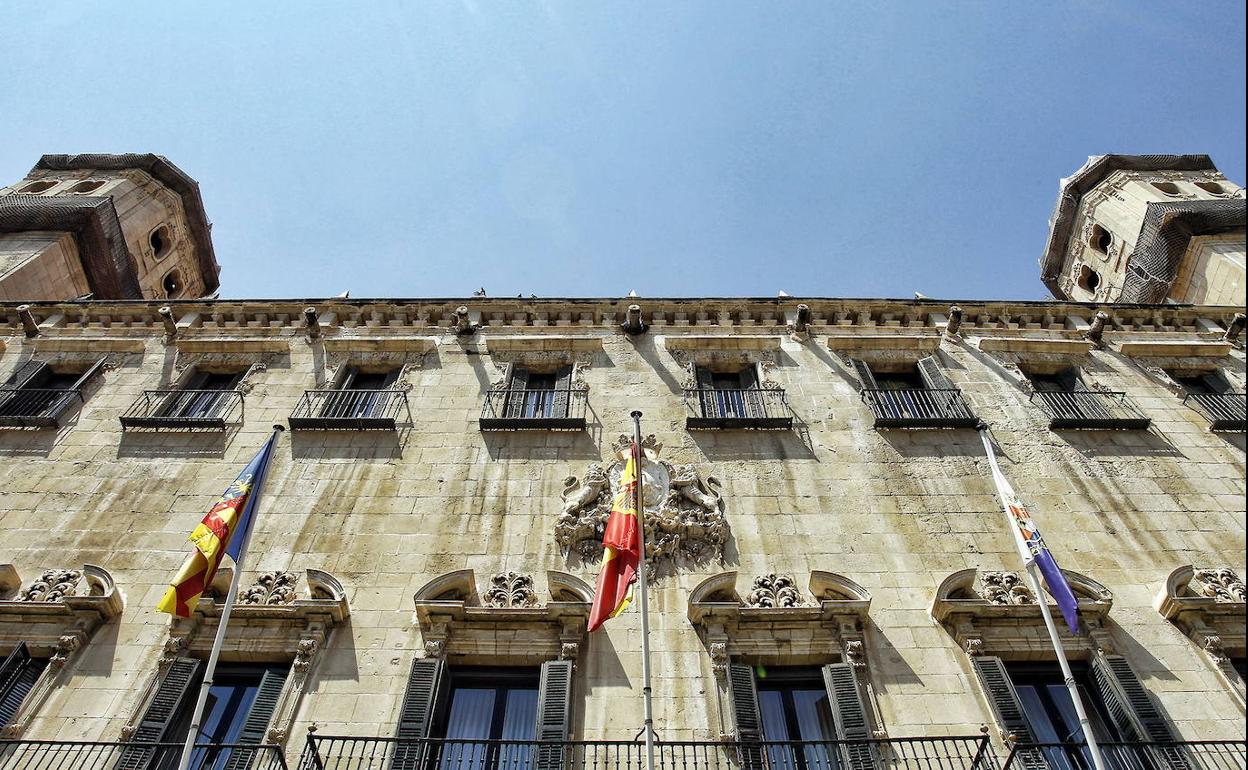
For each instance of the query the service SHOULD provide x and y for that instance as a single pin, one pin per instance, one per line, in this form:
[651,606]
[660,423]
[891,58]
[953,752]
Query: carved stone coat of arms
[684,514]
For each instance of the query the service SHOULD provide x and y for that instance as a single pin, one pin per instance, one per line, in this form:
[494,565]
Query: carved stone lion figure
[580,494]
[687,484]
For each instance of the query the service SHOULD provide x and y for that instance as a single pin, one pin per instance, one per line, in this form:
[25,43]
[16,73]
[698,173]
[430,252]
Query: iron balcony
[1224,411]
[520,409]
[1169,755]
[919,408]
[1089,409]
[99,755]
[36,407]
[347,753]
[729,408]
[351,410]
[190,410]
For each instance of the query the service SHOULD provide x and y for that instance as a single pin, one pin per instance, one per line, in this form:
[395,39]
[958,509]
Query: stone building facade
[440,526]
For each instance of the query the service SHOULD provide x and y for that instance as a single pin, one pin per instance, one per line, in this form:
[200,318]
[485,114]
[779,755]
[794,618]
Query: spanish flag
[621,550]
[223,531]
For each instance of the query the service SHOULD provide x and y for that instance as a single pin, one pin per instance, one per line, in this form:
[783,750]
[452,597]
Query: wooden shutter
[171,694]
[258,718]
[933,376]
[563,392]
[1008,708]
[426,688]
[27,373]
[751,396]
[554,713]
[707,397]
[747,719]
[517,384]
[849,715]
[18,675]
[1132,709]
[866,380]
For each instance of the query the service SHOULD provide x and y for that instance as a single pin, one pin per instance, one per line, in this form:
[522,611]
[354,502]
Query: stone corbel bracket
[52,629]
[1208,606]
[977,623]
[455,623]
[293,631]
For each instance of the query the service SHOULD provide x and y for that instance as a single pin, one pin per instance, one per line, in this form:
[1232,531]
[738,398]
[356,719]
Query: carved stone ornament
[272,588]
[1004,588]
[509,590]
[52,586]
[304,652]
[684,514]
[1221,585]
[774,590]
[856,653]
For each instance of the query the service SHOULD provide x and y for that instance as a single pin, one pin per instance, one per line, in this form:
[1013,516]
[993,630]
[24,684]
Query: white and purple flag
[1030,544]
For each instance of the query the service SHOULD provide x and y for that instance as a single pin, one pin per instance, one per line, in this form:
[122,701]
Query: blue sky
[584,149]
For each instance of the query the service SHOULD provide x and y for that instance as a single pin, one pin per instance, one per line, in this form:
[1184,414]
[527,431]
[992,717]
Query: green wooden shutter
[425,689]
[1009,710]
[747,719]
[849,715]
[554,713]
[171,695]
[258,718]
[933,376]
[866,380]
[563,392]
[751,397]
[18,675]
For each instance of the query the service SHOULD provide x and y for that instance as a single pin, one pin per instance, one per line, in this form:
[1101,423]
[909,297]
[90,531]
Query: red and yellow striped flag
[621,550]
[222,531]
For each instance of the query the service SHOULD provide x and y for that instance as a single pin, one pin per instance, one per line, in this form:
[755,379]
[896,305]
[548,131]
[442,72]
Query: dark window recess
[1211,394]
[36,396]
[536,400]
[207,401]
[363,400]
[735,400]
[241,702]
[1070,403]
[917,397]
[1241,667]
[18,674]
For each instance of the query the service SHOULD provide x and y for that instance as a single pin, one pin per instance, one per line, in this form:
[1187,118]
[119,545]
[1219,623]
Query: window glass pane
[520,717]
[771,706]
[814,715]
[225,711]
[471,714]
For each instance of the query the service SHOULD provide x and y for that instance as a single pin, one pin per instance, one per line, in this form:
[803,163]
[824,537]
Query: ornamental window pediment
[1208,605]
[505,620]
[684,511]
[43,623]
[279,624]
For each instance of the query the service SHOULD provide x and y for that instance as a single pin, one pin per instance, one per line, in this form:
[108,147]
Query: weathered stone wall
[895,511]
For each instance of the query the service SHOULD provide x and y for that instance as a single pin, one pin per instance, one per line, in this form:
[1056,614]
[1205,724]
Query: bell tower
[110,226]
[1149,229]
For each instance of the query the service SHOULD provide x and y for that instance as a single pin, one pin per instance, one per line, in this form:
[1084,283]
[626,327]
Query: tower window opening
[1101,239]
[1169,188]
[1212,187]
[161,240]
[172,284]
[1089,279]
[40,186]
[89,185]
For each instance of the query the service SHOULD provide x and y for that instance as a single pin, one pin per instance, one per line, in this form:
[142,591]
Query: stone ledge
[232,345]
[345,344]
[923,343]
[1189,349]
[759,342]
[1035,345]
[540,343]
[90,344]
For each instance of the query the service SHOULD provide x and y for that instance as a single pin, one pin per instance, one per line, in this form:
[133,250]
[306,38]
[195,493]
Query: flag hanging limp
[621,549]
[223,531]
[1031,546]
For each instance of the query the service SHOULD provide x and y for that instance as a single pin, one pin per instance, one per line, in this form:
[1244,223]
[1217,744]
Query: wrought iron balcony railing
[919,408]
[346,753]
[1089,409]
[752,408]
[351,410]
[1176,755]
[520,409]
[36,407]
[91,755]
[184,410]
[1224,411]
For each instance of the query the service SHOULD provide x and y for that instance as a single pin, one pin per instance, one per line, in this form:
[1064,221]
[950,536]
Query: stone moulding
[694,342]
[907,341]
[46,345]
[1208,605]
[55,616]
[1076,348]
[1168,349]
[507,623]
[244,343]
[390,344]
[511,345]
[997,611]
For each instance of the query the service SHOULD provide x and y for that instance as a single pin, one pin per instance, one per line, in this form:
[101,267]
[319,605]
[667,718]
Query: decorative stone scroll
[684,516]
[774,590]
[1208,605]
[997,610]
[274,621]
[55,615]
[507,623]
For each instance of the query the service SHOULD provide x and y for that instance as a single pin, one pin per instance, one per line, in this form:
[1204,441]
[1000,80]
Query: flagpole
[197,716]
[642,581]
[1085,725]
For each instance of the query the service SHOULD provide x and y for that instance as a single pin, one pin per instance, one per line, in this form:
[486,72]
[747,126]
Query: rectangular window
[735,397]
[37,395]
[18,673]
[794,706]
[1204,383]
[1050,711]
[489,704]
[361,394]
[203,395]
